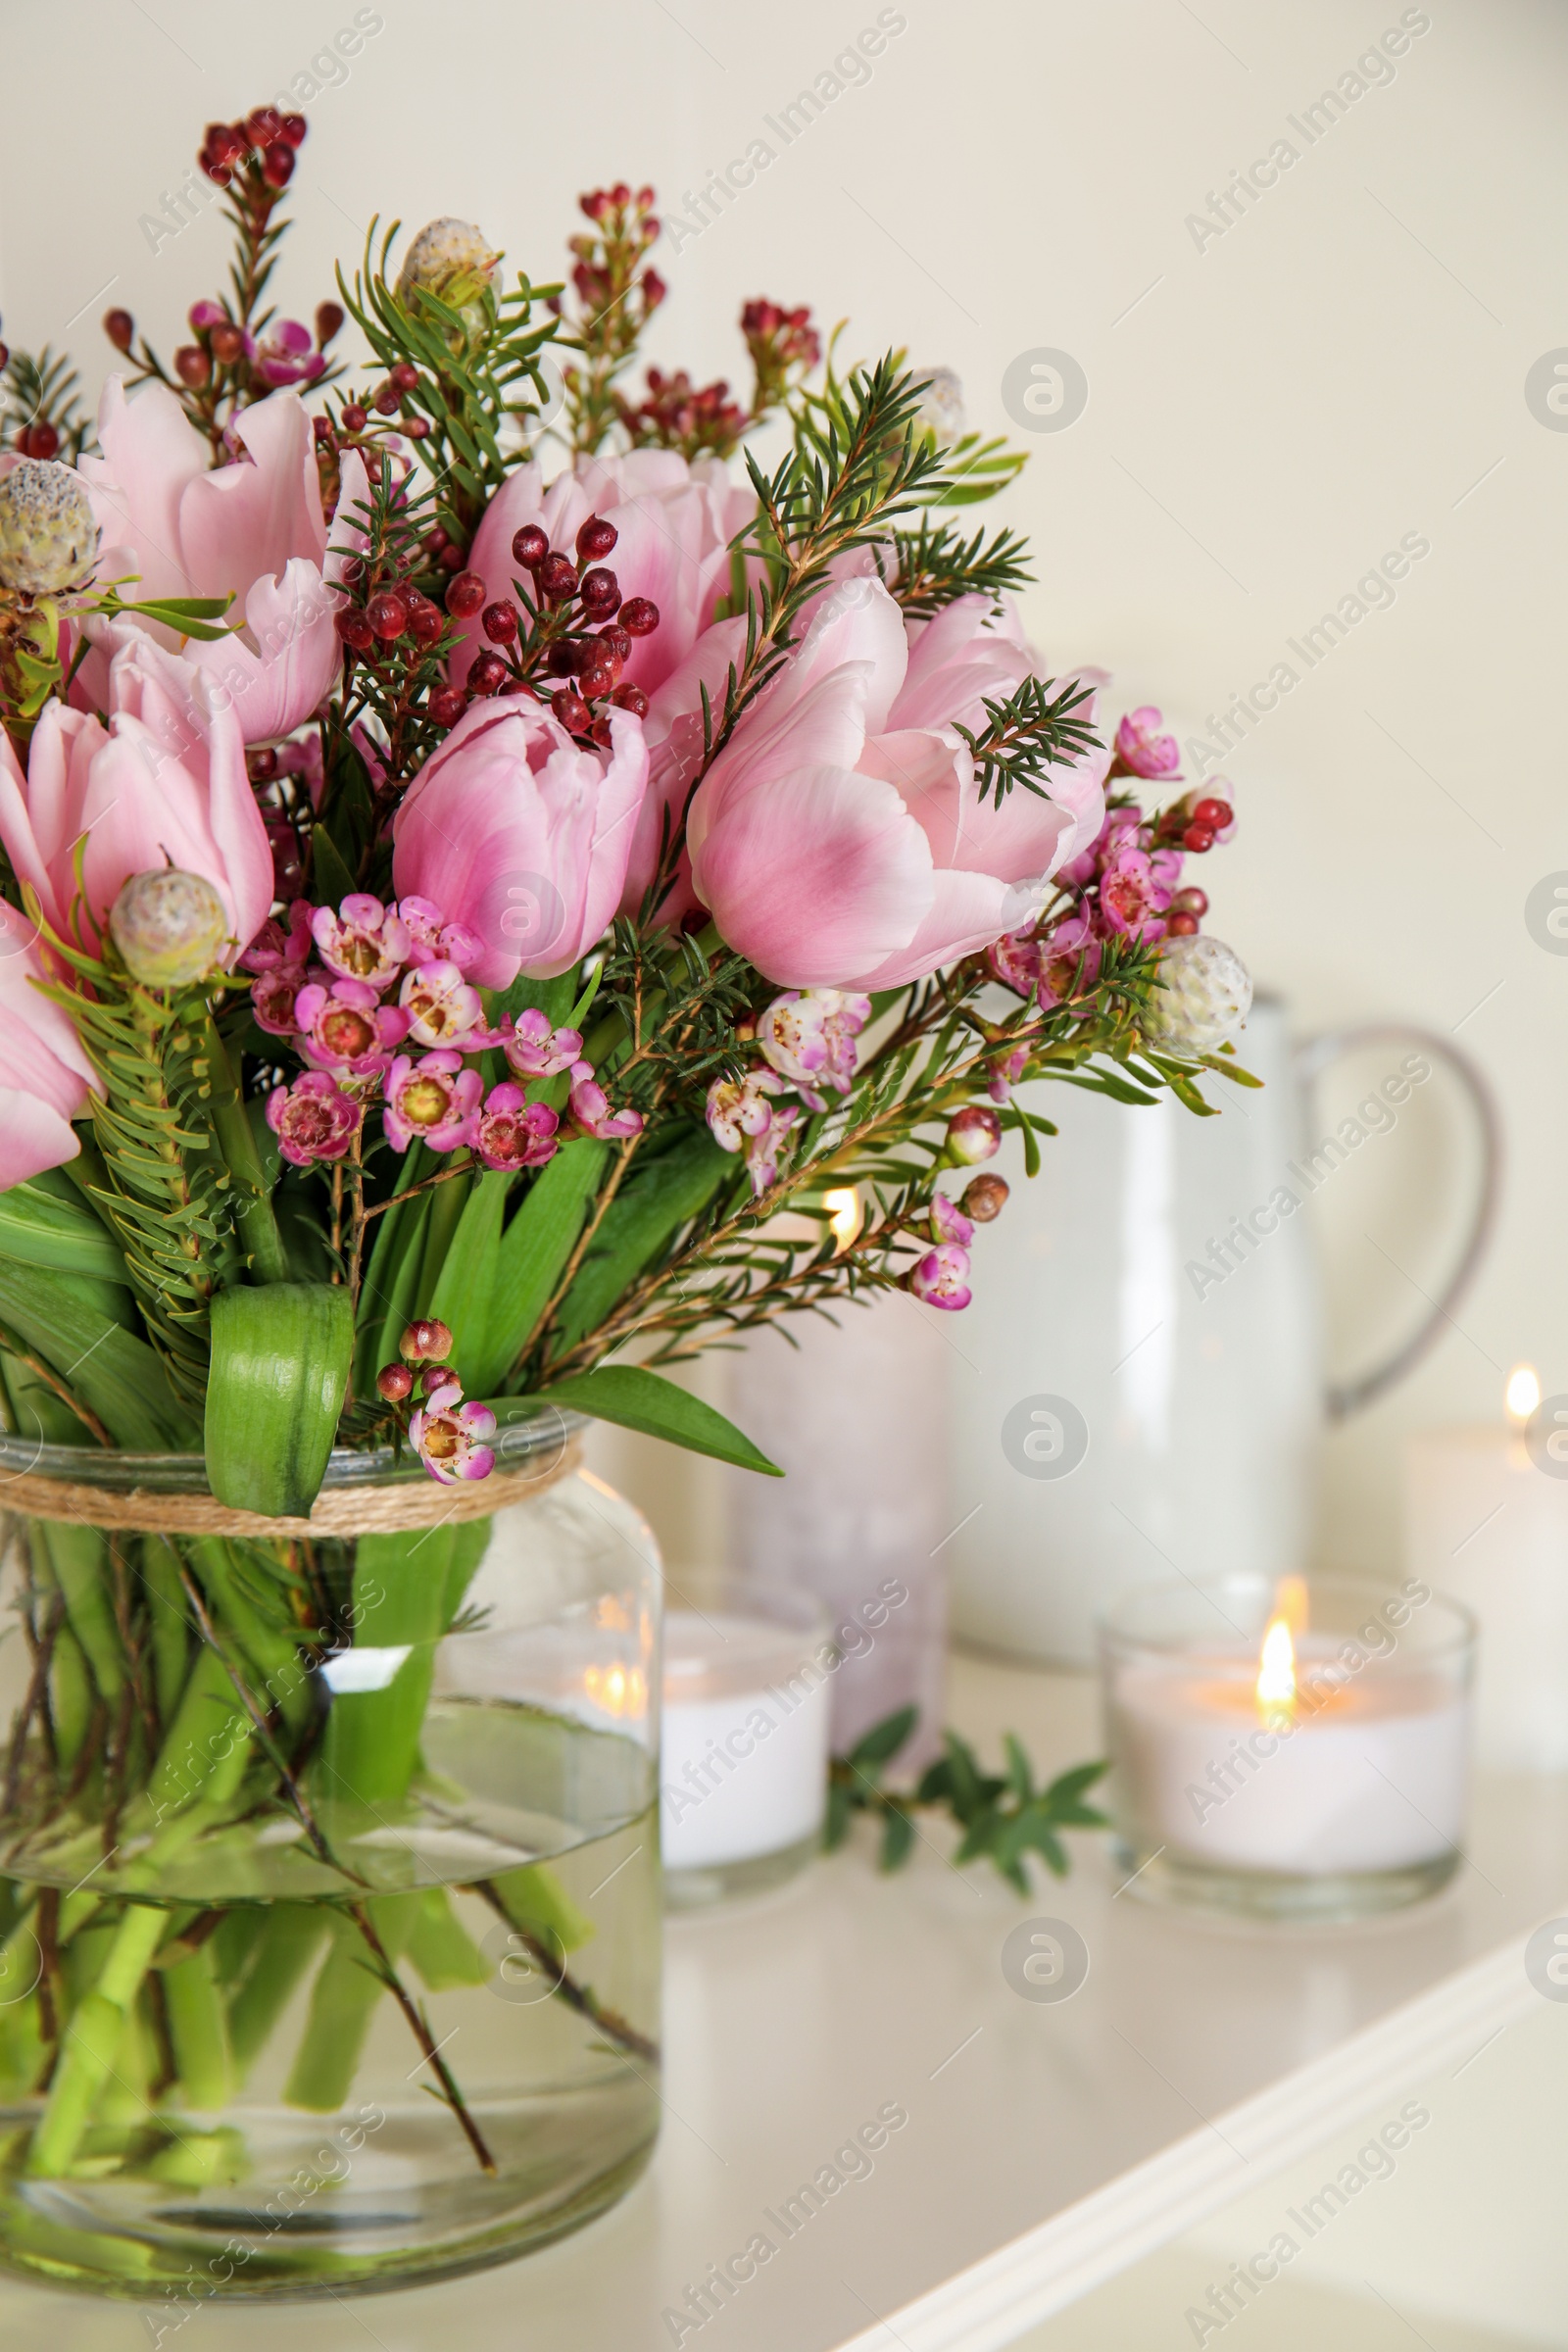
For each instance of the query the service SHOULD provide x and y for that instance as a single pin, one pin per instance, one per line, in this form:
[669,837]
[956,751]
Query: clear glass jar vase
[329,1902]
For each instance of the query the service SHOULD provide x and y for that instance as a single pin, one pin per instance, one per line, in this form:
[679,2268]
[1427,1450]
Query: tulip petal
[242,521]
[819,875]
[32,1137]
[287,659]
[152,455]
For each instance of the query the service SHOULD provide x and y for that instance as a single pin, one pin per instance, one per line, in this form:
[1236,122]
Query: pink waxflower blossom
[442,1008]
[673,523]
[941,1278]
[1119,830]
[837,848]
[286,355]
[280,960]
[1014,961]
[433,939]
[591,1111]
[522,835]
[1005,1075]
[363,941]
[434,1098]
[514,1133]
[949,1222]
[344,1026]
[745,1115]
[1069,964]
[536,1050]
[810,1037]
[45,1075]
[314,1118]
[164,785]
[1142,749]
[1132,897]
[447,1435]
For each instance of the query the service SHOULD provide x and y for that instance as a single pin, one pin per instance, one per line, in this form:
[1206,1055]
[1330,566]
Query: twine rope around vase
[339,1513]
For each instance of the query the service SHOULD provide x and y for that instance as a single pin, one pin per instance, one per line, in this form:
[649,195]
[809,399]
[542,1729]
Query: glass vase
[329,1902]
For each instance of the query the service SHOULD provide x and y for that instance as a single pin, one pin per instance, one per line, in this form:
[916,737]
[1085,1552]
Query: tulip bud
[48,538]
[984,1198]
[169,927]
[394,1381]
[973,1132]
[425,1343]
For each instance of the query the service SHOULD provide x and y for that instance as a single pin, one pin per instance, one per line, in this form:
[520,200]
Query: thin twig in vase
[565,1987]
[421,2030]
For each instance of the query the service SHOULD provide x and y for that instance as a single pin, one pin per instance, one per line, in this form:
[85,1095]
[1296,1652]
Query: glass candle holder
[747,1678]
[1294,1749]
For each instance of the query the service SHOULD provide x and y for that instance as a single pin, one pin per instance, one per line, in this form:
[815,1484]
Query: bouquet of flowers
[481,842]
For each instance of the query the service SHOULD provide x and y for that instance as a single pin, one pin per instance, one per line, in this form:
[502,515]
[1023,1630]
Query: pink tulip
[45,1076]
[521,835]
[837,848]
[166,785]
[253,530]
[674,524]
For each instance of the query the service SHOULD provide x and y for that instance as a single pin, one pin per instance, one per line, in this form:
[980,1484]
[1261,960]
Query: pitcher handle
[1314,1055]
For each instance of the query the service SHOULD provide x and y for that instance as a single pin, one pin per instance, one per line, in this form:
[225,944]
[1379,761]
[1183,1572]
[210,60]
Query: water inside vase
[515,1896]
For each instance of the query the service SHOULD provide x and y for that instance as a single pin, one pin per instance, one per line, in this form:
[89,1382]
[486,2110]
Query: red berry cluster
[389,398]
[1186,910]
[604,263]
[424,1348]
[266,134]
[589,628]
[677,413]
[1192,824]
[780,342]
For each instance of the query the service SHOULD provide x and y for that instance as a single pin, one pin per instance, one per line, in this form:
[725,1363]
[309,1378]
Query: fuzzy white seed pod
[1204,996]
[941,410]
[48,538]
[450,258]
[169,926]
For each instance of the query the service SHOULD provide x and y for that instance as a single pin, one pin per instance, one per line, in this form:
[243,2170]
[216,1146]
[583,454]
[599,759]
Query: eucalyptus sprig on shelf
[1004,1816]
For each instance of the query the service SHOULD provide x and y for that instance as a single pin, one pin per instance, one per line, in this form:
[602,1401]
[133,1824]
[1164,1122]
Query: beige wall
[1267,416]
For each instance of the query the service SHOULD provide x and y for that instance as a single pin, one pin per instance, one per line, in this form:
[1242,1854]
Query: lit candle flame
[1522,1394]
[845,1213]
[1276,1670]
[616,1689]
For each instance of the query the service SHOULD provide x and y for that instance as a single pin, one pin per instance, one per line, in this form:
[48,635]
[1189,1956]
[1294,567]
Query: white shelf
[1047,2145]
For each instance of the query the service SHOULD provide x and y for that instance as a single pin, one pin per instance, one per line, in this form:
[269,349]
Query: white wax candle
[1484,1524]
[1372,1777]
[745,1740]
